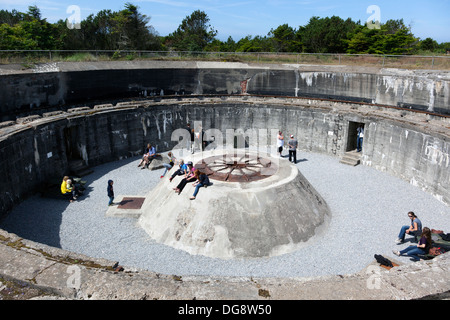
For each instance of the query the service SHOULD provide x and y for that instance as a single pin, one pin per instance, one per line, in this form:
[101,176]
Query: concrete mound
[263,217]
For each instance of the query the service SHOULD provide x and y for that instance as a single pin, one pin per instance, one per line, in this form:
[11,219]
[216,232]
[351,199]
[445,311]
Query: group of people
[190,174]
[421,235]
[197,138]
[292,145]
[187,170]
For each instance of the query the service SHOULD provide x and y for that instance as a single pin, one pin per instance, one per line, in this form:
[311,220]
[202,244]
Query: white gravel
[368,208]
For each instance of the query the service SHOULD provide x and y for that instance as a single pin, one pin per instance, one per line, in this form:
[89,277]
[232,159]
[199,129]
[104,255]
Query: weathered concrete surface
[228,220]
[70,276]
[64,84]
[411,145]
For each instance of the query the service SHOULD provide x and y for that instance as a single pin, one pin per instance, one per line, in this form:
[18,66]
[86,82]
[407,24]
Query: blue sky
[428,18]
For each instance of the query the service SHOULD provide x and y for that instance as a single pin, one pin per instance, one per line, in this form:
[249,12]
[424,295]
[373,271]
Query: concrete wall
[35,152]
[417,157]
[64,85]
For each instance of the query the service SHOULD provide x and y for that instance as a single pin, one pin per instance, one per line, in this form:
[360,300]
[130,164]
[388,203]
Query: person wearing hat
[292,144]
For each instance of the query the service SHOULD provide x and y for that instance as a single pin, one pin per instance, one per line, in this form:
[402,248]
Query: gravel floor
[368,208]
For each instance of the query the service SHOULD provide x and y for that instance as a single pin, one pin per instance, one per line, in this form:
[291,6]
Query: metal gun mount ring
[237,167]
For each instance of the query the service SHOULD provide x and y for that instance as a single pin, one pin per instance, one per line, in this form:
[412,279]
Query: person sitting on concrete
[414,229]
[147,149]
[202,181]
[149,156]
[68,189]
[421,248]
[66,192]
[182,167]
[169,165]
[191,176]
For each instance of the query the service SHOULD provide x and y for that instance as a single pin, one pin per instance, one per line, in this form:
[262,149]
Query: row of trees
[129,29]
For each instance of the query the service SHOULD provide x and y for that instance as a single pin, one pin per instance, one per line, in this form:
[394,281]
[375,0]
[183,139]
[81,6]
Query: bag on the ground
[383,261]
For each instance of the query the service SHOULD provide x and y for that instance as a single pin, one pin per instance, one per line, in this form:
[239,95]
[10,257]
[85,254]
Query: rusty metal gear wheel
[237,167]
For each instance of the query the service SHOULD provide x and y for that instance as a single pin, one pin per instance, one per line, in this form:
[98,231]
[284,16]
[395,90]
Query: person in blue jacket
[182,169]
[110,190]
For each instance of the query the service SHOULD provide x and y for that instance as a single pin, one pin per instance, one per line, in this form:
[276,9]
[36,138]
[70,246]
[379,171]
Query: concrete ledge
[123,207]
[71,276]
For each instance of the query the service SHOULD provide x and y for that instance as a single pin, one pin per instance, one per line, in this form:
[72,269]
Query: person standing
[110,191]
[190,140]
[292,144]
[359,139]
[280,142]
[192,133]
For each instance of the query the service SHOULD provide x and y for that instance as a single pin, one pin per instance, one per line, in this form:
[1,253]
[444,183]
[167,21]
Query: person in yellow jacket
[67,189]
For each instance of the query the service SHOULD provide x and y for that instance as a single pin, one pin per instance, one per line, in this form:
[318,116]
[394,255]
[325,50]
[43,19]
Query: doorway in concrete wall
[76,164]
[352,137]
[351,156]
[72,153]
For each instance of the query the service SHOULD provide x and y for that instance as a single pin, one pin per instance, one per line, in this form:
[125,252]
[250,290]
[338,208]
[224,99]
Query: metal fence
[26,57]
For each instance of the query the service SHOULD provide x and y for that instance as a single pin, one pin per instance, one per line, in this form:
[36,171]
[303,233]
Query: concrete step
[79,169]
[351,158]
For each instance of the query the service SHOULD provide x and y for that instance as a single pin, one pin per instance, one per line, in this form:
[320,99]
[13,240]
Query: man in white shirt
[280,142]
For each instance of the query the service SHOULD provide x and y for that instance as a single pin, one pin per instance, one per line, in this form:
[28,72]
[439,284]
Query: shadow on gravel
[39,217]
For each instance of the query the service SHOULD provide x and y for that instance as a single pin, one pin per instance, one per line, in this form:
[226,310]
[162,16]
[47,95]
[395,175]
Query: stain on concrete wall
[37,152]
[25,94]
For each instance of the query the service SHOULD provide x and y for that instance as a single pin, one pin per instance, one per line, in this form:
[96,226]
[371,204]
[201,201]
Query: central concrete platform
[268,216]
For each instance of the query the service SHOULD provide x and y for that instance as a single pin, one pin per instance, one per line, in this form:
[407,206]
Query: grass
[27,60]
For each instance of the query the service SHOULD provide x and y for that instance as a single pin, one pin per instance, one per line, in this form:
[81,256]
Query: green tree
[28,31]
[429,44]
[127,29]
[364,41]
[10,18]
[15,38]
[131,30]
[285,39]
[393,37]
[326,35]
[193,34]
[254,44]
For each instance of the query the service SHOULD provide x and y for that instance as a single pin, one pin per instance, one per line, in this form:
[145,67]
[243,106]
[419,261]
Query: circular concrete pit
[411,144]
[270,215]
